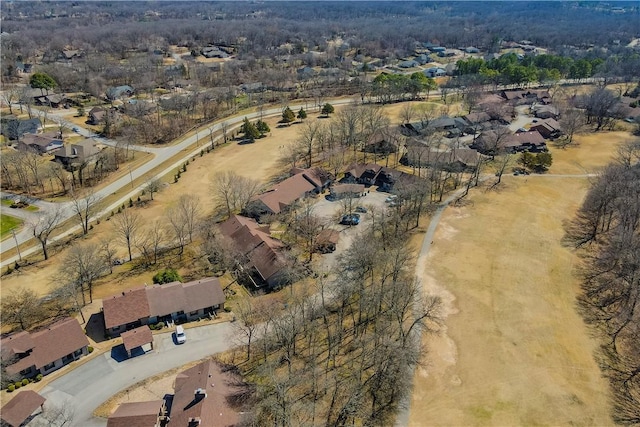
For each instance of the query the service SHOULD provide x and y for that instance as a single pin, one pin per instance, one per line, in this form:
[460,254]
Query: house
[446,54]
[71,155]
[390,179]
[96,115]
[41,143]
[381,142]
[118,92]
[20,410]
[302,183]
[545,111]
[55,100]
[437,49]
[435,72]
[199,400]
[46,350]
[408,64]
[170,302]
[475,122]
[139,414]
[255,244]
[342,191]
[450,125]
[213,52]
[525,141]
[327,240]
[548,128]
[472,49]
[361,173]
[14,128]
[140,337]
[521,97]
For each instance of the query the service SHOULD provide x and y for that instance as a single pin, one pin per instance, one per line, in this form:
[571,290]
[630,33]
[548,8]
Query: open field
[514,351]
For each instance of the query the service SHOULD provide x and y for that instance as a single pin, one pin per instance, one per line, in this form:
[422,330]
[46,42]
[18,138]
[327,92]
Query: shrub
[227,309]
[17,384]
[90,349]
[11,388]
[38,377]
[166,276]
[160,325]
[25,382]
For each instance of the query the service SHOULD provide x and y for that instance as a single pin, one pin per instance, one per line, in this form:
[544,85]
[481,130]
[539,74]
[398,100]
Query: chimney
[194,421]
[200,394]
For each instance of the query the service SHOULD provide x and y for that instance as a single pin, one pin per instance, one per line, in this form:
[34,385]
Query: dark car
[351,219]
[361,209]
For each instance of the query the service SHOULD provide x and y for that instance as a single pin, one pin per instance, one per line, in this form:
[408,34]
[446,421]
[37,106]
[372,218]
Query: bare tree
[407,113]
[58,172]
[108,251]
[190,213]
[82,266]
[572,121]
[178,227]
[247,321]
[308,139]
[21,307]
[232,192]
[85,204]
[59,415]
[126,226]
[44,225]
[154,185]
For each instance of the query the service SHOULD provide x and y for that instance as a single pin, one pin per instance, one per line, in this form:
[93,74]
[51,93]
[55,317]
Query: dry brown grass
[514,351]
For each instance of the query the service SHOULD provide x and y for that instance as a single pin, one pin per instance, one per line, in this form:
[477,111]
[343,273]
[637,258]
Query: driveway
[88,386]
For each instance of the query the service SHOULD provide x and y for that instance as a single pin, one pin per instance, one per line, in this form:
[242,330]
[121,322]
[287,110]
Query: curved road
[180,152]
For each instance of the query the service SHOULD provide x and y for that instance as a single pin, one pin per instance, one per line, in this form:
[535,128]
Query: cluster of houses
[486,130]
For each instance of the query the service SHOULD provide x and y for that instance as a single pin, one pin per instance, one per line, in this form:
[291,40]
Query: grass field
[7,223]
[513,351]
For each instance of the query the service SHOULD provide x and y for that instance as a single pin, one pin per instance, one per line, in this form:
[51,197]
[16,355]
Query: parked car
[75,129]
[361,209]
[390,198]
[351,219]
[181,337]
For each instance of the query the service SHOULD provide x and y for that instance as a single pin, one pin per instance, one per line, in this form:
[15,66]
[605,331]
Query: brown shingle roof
[20,342]
[212,410]
[136,414]
[58,340]
[166,299]
[524,138]
[203,293]
[128,307]
[328,236]
[48,344]
[137,337]
[21,407]
[255,243]
[347,188]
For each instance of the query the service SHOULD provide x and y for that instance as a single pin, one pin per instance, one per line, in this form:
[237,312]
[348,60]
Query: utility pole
[13,231]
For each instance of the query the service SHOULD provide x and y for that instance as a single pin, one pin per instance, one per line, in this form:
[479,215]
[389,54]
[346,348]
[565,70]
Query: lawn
[7,223]
[513,351]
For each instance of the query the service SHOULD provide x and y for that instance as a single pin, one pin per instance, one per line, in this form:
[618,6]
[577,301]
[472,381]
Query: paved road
[91,384]
[179,152]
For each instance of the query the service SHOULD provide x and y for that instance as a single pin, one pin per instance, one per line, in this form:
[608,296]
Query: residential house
[139,414]
[23,67]
[419,154]
[361,173]
[119,92]
[46,350]
[435,72]
[71,155]
[408,64]
[259,253]
[521,97]
[381,142]
[390,180]
[543,111]
[472,49]
[548,128]
[96,115]
[197,401]
[41,143]
[302,183]
[20,410]
[451,125]
[522,141]
[213,52]
[342,191]
[170,302]
[55,100]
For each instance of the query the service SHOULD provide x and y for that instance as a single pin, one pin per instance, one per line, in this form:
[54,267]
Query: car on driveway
[391,198]
[181,337]
[361,209]
[350,219]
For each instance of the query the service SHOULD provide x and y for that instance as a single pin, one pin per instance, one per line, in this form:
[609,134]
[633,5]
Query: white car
[180,335]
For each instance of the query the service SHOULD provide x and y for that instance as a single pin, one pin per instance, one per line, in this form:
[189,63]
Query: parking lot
[332,211]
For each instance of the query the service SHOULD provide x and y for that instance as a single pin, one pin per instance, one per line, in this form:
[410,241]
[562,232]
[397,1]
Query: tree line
[606,230]
[344,352]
